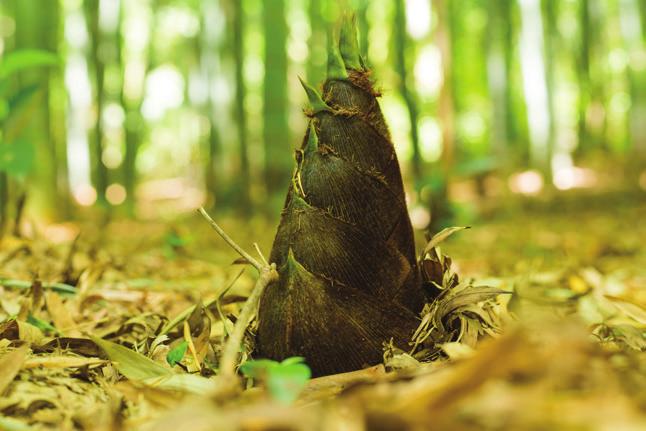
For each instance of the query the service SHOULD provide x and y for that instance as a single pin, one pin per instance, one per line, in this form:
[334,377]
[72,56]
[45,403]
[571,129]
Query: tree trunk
[439,207]
[40,31]
[210,51]
[551,32]
[277,143]
[401,66]
[633,41]
[513,126]
[133,126]
[583,75]
[498,78]
[99,170]
[237,29]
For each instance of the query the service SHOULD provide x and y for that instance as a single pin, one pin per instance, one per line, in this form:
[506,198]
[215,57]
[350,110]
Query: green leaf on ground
[177,353]
[131,364]
[284,380]
[44,326]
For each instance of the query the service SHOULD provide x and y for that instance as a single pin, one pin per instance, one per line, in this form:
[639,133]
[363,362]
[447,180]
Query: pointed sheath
[344,249]
[316,101]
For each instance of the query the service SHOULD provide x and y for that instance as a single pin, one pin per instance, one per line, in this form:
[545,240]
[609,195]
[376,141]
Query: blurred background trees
[181,102]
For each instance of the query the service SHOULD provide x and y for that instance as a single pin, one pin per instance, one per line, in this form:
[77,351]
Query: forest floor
[566,351]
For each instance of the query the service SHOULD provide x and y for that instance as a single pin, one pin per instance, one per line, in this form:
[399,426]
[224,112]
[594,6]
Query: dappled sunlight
[85,195]
[168,196]
[528,182]
[115,194]
[322,215]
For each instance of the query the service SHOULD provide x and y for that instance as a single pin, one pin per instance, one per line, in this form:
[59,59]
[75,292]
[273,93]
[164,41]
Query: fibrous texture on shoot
[348,276]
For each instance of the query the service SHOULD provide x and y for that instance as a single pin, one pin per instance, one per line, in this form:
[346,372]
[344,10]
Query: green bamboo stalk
[237,29]
[583,75]
[402,47]
[40,31]
[99,170]
[551,36]
[277,143]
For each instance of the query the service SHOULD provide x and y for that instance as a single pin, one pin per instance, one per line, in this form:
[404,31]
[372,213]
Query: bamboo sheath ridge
[344,249]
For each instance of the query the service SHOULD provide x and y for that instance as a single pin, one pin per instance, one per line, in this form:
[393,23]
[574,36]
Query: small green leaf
[257,368]
[131,364]
[44,326]
[284,380]
[177,353]
[175,240]
[25,59]
[293,360]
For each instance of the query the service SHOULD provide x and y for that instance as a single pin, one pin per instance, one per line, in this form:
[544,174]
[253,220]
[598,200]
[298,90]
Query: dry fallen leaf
[10,365]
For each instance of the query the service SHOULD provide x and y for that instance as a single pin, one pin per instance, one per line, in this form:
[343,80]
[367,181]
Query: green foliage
[174,243]
[25,59]
[41,324]
[4,109]
[173,239]
[177,353]
[284,380]
[17,158]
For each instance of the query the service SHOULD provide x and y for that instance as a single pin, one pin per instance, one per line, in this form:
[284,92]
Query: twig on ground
[229,241]
[268,274]
[229,357]
[218,305]
[262,256]
[187,312]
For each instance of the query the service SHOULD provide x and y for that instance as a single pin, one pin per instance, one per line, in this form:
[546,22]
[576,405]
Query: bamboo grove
[197,100]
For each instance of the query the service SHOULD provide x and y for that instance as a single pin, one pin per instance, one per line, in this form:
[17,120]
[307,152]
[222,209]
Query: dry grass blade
[62,362]
[441,236]
[10,365]
[131,364]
